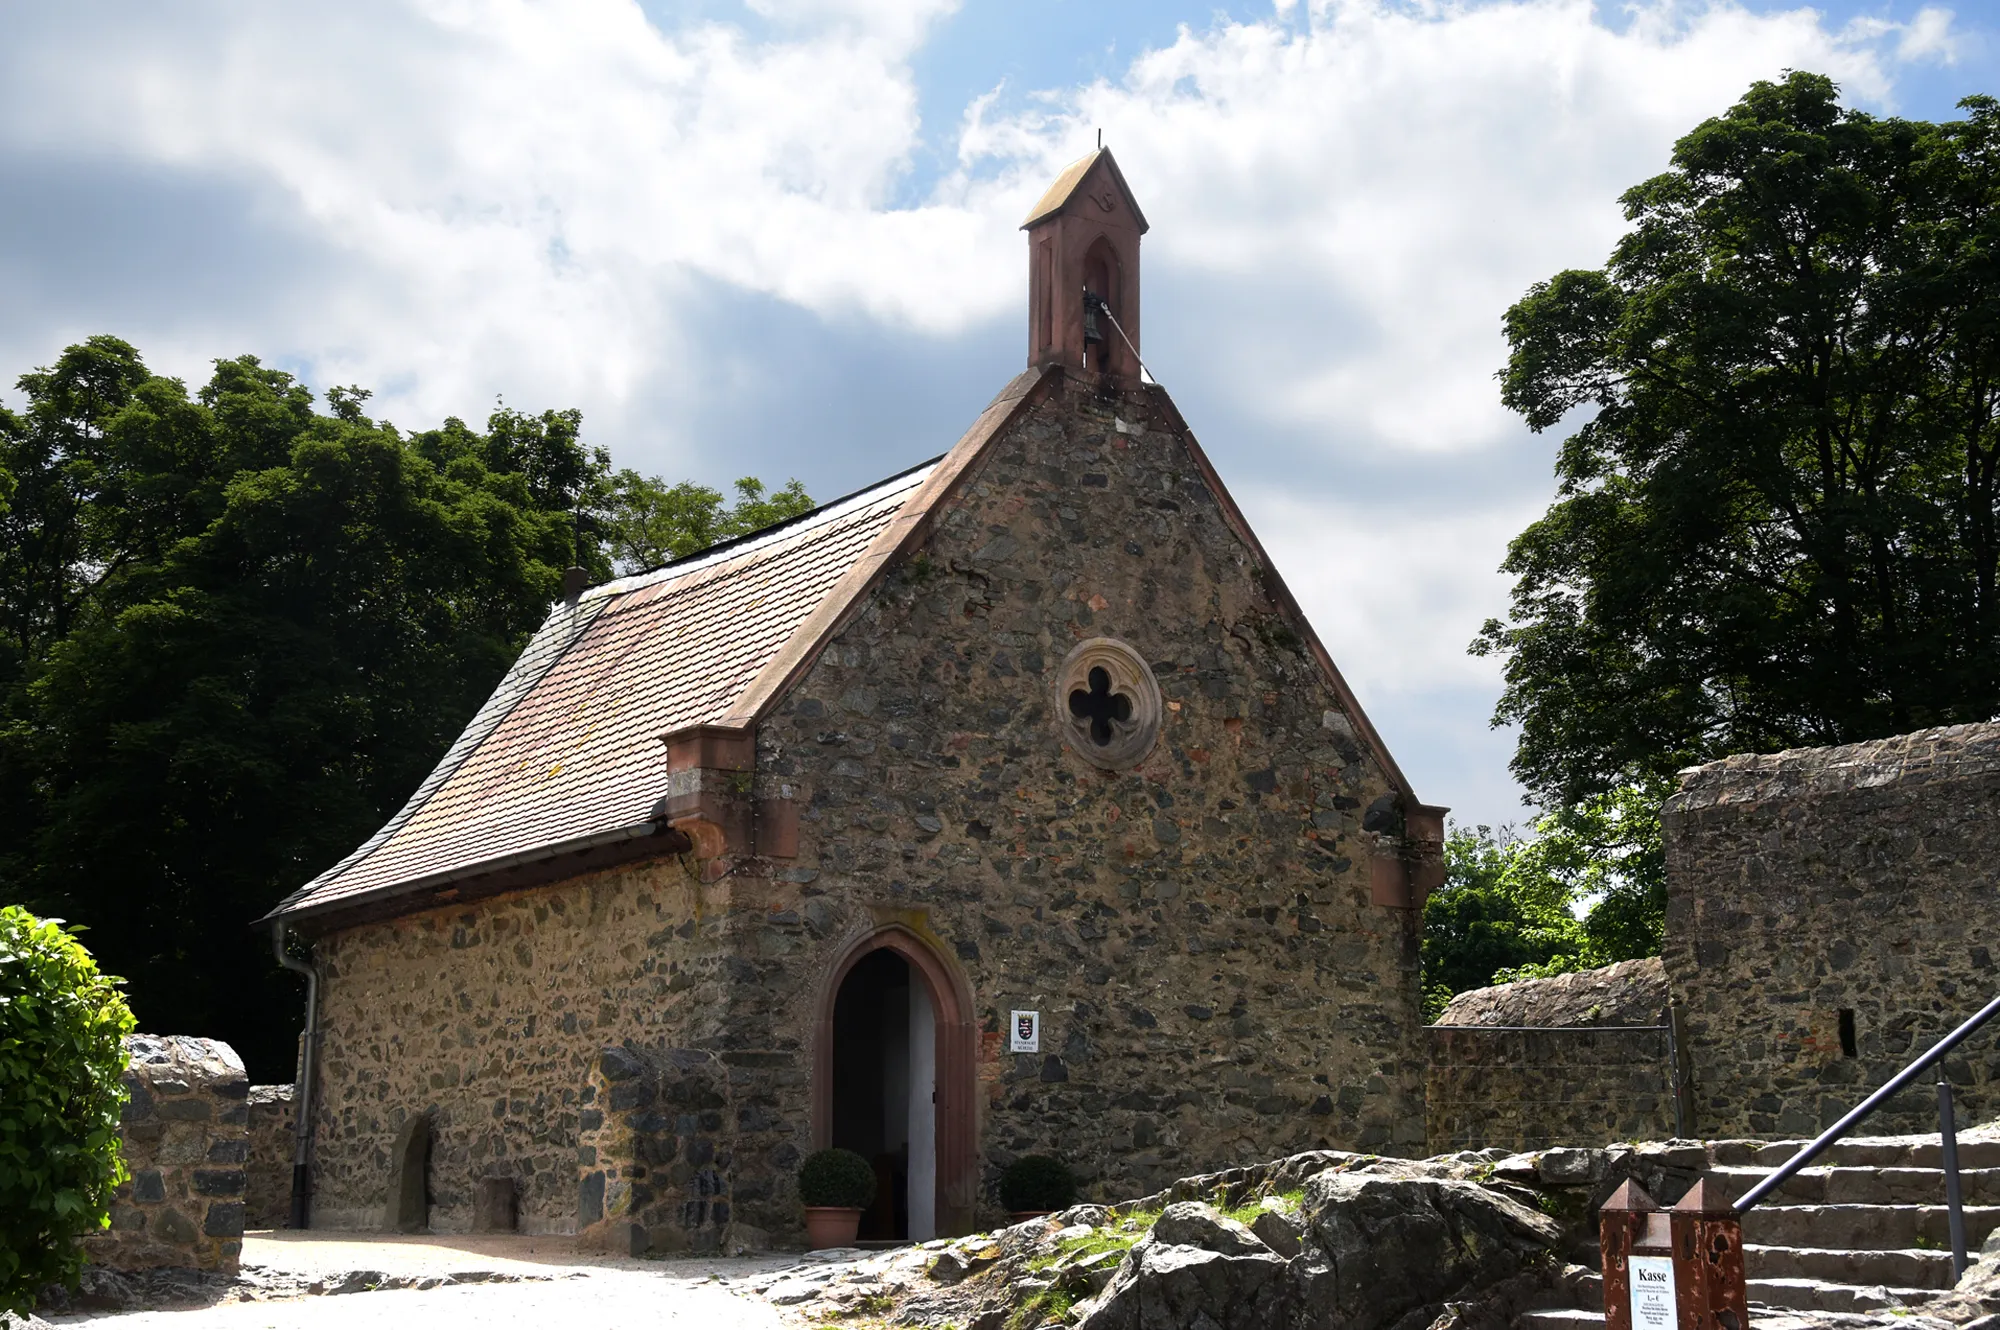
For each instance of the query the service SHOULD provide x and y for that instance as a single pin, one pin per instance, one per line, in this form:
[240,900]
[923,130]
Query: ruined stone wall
[1531,1089]
[1569,1076]
[1807,884]
[490,1018]
[184,1135]
[267,1194]
[1197,932]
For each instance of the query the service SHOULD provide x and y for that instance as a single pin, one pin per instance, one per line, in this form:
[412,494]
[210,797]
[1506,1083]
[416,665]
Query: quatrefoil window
[1109,703]
[1099,707]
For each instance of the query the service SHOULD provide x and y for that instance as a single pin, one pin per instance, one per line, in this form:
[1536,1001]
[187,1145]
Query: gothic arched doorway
[892,1081]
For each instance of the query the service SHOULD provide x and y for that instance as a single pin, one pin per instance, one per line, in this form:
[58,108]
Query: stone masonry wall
[267,1194]
[1807,884]
[1531,1089]
[1624,993]
[185,1139]
[1569,1080]
[491,1019]
[1197,932]
[655,1151]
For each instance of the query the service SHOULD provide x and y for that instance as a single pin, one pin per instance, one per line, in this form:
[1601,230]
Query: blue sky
[779,237]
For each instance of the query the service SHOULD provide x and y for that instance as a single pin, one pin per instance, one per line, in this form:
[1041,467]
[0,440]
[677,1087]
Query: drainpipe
[302,1091]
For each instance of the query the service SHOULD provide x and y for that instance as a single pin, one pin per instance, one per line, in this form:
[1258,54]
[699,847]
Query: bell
[1093,334]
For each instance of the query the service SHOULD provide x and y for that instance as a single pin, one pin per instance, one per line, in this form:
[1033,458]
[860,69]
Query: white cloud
[1411,172]
[532,183]
[541,199]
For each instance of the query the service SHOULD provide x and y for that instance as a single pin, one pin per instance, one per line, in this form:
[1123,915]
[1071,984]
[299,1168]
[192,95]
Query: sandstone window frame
[1124,674]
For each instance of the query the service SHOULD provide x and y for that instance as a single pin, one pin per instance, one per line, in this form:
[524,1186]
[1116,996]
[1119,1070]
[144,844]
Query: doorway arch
[954,1119]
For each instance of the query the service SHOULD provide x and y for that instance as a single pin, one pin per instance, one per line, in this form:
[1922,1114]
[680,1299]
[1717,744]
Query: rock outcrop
[1317,1241]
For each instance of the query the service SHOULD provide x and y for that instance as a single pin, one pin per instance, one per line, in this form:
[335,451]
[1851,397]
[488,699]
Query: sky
[778,237]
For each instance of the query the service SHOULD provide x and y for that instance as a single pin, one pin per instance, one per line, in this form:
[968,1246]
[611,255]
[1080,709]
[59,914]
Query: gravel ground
[474,1283]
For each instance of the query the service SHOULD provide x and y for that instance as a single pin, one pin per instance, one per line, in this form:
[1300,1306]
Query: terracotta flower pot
[831,1226]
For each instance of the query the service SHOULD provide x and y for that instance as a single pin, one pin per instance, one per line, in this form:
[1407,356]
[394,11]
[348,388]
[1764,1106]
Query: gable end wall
[1215,985]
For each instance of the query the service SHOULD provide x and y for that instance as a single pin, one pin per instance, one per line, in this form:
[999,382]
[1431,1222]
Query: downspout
[302,1091]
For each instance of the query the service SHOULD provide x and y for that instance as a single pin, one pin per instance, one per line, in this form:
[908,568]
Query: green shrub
[837,1177]
[1037,1182]
[62,1060]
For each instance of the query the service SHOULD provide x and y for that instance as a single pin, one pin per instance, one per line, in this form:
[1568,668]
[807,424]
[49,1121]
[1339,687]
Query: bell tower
[1083,270]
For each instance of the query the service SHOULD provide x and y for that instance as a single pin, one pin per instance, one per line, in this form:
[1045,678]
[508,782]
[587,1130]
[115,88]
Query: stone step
[1862,1186]
[1817,1295]
[1560,1318]
[1865,1227]
[1905,1268]
[1858,1152]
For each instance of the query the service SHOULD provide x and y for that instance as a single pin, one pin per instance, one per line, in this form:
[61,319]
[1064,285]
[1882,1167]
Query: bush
[837,1177]
[1037,1182]
[62,1060]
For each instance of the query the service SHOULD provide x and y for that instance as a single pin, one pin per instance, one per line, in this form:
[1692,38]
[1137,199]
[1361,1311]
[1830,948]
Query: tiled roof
[1066,184]
[568,747]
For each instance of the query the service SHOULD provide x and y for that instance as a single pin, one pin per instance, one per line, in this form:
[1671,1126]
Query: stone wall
[1531,1089]
[490,1020]
[267,1194]
[1570,1079]
[1627,993]
[1216,979]
[185,1139]
[1830,914]
[656,1151]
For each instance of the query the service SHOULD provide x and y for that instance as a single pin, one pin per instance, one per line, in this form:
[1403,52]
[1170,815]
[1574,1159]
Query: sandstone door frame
[956,1044]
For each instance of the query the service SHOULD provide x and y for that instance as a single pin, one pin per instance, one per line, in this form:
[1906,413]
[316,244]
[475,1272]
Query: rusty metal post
[1629,1224]
[1708,1262]
[1680,1071]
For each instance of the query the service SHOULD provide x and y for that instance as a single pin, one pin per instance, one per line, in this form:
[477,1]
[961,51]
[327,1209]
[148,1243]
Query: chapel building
[1007,806]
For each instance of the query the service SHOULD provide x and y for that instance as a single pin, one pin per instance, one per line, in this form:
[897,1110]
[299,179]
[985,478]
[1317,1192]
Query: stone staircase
[1864,1229]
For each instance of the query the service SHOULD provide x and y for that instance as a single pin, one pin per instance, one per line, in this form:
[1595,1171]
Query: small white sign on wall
[1024,1032]
[1652,1279]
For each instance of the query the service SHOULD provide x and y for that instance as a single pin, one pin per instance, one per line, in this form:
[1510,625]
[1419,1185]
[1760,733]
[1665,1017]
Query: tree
[648,522]
[1778,521]
[237,632]
[1586,889]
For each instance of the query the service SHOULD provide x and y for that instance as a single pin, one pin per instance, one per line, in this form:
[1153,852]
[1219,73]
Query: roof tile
[568,746]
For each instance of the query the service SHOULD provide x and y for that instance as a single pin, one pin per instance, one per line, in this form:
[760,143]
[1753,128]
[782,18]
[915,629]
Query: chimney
[574,581]
[1083,249]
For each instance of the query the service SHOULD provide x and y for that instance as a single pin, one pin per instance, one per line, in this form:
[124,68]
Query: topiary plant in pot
[1036,1185]
[836,1186]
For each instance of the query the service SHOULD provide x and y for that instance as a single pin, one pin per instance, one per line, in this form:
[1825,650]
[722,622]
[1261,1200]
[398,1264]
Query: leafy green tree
[1778,516]
[647,522]
[1586,889]
[235,633]
[62,1060]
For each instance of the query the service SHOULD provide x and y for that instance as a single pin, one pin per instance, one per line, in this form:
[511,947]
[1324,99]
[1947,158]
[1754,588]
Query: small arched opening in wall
[893,1080]
[410,1183]
[1103,278]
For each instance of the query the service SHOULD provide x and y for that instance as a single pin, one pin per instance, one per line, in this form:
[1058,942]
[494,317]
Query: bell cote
[1083,270]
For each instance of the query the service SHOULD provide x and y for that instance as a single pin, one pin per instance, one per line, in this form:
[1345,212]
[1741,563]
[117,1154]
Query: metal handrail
[1947,1132]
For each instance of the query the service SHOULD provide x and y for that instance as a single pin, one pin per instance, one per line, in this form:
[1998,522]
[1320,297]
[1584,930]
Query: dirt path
[476,1283]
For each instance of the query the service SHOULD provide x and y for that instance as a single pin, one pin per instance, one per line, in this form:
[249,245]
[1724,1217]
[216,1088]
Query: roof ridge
[751,540]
